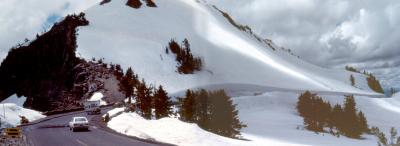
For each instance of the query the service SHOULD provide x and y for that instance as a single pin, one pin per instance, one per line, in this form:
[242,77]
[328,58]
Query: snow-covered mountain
[263,78]
[138,38]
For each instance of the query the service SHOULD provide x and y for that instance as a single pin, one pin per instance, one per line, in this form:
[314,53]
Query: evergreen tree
[352,80]
[362,122]
[382,139]
[186,110]
[118,71]
[127,83]
[374,84]
[352,69]
[162,103]
[223,118]
[336,116]
[303,104]
[393,134]
[351,128]
[187,62]
[143,99]
[212,111]
[201,111]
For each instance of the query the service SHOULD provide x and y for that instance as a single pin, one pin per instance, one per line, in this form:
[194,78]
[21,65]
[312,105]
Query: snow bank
[174,131]
[115,111]
[12,113]
[12,107]
[98,96]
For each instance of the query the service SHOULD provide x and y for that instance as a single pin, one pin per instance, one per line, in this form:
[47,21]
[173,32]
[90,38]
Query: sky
[24,19]
[329,33]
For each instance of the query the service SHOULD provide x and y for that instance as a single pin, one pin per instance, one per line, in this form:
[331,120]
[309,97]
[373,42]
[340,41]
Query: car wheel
[73,129]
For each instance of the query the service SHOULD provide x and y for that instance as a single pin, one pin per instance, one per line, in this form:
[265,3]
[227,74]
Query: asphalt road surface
[54,132]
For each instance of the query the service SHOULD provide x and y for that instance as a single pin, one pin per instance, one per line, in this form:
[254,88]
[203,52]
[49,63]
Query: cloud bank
[329,33]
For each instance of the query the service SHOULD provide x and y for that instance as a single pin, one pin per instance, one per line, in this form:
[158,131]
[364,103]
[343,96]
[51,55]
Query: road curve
[54,132]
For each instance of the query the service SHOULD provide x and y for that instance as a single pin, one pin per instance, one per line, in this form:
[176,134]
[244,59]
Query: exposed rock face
[96,77]
[48,72]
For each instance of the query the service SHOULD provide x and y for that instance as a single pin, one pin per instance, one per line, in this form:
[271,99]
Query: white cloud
[24,19]
[364,33]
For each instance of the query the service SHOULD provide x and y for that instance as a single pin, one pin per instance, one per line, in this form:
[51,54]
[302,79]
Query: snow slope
[273,115]
[12,108]
[138,37]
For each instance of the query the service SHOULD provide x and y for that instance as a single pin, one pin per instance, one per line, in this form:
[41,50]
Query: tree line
[147,96]
[213,111]
[340,120]
[373,83]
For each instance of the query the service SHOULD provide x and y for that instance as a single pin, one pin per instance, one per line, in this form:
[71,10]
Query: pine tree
[162,103]
[223,118]
[303,103]
[127,84]
[351,128]
[362,122]
[201,114]
[212,111]
[374,84]
[393,134]
[382,138]
[352,80]
[187,62]
[186,110]
[337,117]
[118,71]
[143,99]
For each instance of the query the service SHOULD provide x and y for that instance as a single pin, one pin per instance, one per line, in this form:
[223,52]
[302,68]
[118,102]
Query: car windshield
[80,119]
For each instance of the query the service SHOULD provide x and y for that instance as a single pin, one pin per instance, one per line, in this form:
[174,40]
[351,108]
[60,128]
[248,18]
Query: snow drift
[12,108]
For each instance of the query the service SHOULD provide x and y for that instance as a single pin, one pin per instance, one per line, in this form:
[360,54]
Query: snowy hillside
[273,115]
[138,37]
[12,107]
[234,60]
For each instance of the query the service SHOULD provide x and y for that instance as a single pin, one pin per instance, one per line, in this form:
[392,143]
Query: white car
[79,123]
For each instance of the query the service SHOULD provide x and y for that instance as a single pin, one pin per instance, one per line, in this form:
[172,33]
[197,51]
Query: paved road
[53,132]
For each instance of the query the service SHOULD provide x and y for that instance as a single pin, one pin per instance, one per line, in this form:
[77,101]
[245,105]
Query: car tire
[73,129]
